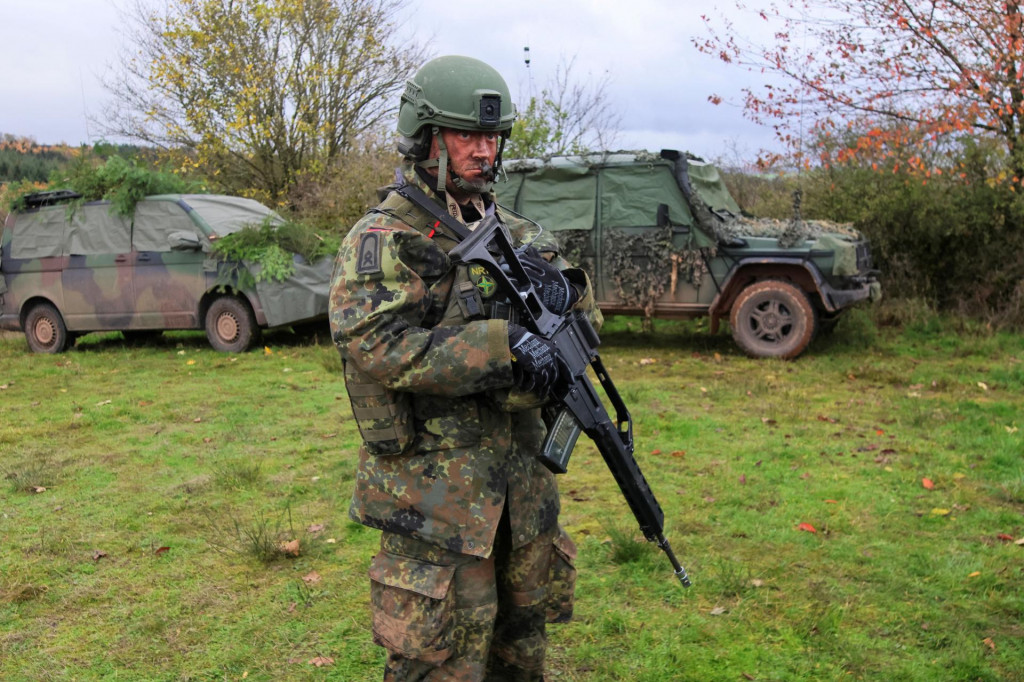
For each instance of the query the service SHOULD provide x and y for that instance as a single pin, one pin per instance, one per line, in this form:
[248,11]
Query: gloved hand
[535,364]
[556,292]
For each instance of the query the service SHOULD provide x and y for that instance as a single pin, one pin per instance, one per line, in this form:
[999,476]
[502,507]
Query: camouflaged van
[68,269]
[661,236]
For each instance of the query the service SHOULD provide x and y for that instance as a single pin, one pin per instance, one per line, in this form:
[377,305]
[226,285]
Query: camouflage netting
[789,232]
[645,265]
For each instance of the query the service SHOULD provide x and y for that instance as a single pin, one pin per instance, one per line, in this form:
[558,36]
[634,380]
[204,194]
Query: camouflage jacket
[401,315]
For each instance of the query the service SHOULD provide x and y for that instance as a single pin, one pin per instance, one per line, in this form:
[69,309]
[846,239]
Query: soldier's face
[468,151]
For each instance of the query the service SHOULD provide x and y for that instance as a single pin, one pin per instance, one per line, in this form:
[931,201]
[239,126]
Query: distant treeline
[22,159]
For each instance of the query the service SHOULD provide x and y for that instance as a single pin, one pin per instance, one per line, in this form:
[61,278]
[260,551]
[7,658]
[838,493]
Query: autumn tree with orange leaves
[895,82]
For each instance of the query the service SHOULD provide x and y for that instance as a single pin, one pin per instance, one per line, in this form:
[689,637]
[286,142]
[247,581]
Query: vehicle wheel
[45,330]
[230,325]
[773,319]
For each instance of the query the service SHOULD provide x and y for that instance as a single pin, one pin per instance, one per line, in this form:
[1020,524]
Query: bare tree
[568,117]
[256,92]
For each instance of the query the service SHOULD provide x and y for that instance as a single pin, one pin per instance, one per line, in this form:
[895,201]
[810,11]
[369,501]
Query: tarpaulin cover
[708,184]
[226,214]
[94,230]
[298,298]
[630,196]
[156,219]
[563,192]
[39,234]
[560,197]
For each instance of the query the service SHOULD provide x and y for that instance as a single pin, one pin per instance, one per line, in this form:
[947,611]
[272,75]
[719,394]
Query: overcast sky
[54,52]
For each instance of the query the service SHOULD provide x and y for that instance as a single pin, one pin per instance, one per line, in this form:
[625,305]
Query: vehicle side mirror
[184,241]
[663,220]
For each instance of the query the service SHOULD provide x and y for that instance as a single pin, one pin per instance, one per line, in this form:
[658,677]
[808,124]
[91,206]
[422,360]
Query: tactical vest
[384,416]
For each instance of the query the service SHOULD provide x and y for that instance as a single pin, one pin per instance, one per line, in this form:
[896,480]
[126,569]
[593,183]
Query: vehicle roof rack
[57,196]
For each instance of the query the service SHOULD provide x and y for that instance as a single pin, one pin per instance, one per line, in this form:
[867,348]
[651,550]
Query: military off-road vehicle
[661,236]
[68,268]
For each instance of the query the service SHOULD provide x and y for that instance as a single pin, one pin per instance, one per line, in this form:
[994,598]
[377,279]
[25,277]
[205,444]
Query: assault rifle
[579,407]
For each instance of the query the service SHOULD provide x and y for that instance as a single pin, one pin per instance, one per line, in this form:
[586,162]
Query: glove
[553,289]
[535,364]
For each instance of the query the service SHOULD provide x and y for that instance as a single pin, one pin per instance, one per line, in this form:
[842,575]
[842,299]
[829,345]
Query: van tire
[773,319]
[45,330]
[230,325]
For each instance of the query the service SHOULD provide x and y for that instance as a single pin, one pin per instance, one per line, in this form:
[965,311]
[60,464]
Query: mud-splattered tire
[45,330]
[773,319]
[230,325]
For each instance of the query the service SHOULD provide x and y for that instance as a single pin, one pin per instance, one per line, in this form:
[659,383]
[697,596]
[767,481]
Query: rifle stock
[579,407]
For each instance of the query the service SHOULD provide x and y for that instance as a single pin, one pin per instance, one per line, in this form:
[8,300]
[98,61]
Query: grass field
[853,515]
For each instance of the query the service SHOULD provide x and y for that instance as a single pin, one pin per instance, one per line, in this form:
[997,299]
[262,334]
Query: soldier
[445,391]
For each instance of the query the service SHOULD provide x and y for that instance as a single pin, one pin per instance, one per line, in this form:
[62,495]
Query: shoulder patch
[369,253]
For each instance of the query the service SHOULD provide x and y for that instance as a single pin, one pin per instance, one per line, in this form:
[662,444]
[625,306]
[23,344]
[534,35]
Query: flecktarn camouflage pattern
[449,453]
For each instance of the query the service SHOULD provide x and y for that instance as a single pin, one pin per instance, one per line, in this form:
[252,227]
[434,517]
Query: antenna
[526,60]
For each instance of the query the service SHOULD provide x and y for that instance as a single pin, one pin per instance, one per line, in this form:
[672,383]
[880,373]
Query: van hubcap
[227,327]
[44,331]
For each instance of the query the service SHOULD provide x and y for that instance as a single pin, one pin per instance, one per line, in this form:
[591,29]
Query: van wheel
[230,325]
[773,319]
[45,330]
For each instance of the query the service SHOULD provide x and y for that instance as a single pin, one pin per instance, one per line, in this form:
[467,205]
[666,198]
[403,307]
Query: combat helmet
[452,92]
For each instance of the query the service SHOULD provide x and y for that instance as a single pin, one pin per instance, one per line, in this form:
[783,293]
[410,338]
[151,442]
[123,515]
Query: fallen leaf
[197,420]
[315,527]
[1005,538]
[648,361]
[103,402]
[743,479]
[655,452]
[291,548]
[989,643]
[717,611]
[939,511]
[974,575]
[1019,542]
[927,484]
[98,554]
[311,578]
[757,582]
[679,453]
[161,550]
[267,351]
[830,420]
[982,385]
[1011,429]
[38,489]
[747,676]
[879,432]
[807,527]
[768,421]
[330,541]
[831,502]
[321,661]
[291,607]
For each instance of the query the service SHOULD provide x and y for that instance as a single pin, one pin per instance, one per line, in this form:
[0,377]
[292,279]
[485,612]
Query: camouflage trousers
[459,618]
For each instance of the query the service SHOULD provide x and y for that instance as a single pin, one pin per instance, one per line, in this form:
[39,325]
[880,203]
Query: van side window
[94,230]
[155,220]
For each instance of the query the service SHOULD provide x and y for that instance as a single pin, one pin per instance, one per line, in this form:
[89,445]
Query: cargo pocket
[412,607]
[562,579]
